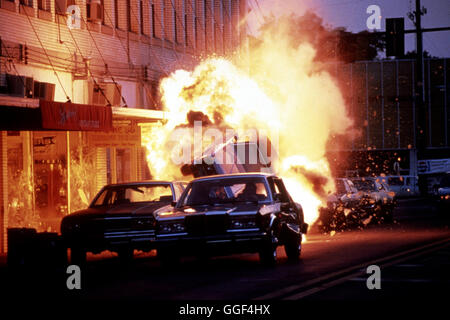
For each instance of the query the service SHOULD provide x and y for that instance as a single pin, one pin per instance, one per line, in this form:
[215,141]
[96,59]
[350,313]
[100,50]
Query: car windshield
[225,190]
[365,185]
[117,195]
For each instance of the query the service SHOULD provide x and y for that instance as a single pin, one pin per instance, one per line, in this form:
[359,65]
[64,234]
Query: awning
[33,114]
[77,117]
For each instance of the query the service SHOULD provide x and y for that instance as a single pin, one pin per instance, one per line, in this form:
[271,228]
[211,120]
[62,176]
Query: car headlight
[171,227]
[243,224]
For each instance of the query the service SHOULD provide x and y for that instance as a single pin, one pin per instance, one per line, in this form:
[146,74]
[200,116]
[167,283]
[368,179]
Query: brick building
[106,54]
[380,96]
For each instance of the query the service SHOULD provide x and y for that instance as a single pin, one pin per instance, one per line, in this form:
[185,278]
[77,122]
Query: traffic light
[395,37]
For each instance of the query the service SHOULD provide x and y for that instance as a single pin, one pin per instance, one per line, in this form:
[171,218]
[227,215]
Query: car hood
[232,209]
[123,209]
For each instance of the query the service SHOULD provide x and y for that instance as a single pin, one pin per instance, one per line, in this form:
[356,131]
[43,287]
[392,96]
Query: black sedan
[231,213]
[120,219]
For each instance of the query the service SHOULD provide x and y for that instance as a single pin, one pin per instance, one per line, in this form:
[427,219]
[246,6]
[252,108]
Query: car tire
[268,251]
[293,250]
[125,255]
[168,257]
[77,256]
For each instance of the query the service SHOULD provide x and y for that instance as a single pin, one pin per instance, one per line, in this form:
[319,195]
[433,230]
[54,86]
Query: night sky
[352,15]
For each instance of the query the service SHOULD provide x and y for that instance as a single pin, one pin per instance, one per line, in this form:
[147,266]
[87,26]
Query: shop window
[123,165]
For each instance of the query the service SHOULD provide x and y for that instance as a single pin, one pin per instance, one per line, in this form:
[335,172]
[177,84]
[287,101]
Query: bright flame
[288,95]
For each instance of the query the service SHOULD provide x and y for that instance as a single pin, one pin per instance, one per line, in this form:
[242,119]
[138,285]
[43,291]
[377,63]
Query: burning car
[222,214]
[343,207]
[376,201]
[120,219]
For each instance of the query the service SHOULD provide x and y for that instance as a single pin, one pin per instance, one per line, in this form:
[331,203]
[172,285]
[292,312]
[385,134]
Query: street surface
[413,254]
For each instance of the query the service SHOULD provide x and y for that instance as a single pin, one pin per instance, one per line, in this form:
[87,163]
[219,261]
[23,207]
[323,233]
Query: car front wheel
[77,255]
[268,251]
[293,249]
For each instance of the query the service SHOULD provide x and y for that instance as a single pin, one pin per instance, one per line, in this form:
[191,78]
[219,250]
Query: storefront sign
[120,136]
[78,117]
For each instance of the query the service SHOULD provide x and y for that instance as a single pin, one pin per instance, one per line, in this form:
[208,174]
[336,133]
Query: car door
[287,205]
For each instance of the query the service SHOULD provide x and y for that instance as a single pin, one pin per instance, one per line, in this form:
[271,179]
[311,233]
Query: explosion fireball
[284,93]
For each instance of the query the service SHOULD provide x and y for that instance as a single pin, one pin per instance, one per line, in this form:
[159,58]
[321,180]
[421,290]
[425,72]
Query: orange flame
[288,96]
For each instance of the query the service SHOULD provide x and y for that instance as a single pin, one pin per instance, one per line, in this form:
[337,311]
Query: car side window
[277,187]
[100,201]
[178,189]
[273,187]
[186,196]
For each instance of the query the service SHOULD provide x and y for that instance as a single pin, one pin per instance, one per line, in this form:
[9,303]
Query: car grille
[199,225]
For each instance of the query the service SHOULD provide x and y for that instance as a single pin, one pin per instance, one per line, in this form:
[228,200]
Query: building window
[61,6]
[28,3]
[44,5]
[141,9]
[129,15]
[102,2]
[196,31]
[153,21]
[206,23]
[175,29]
[116,13]
[186,30]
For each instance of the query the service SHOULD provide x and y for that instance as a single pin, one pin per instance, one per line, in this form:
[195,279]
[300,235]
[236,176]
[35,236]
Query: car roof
[236,175]
[139,183]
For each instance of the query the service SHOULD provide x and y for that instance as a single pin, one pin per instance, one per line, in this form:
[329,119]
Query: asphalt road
[410,253]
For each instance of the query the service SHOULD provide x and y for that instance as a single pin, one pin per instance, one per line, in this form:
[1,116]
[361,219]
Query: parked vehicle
[120,219]
[222,214]
[376,202]
[342,209]
[443,194]
[403,186]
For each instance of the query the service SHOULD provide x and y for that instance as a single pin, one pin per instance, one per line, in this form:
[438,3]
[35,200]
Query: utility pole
[420,112]
[421,132]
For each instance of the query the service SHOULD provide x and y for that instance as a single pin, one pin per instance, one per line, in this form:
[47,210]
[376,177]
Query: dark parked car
[120,219]
[222,214]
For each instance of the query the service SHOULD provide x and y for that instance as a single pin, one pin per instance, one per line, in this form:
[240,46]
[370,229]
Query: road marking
[343,274]
[396,280]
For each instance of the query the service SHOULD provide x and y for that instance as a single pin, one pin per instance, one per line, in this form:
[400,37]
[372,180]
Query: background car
[120,219]
[224,214]
[403,186]
[443,194]
[342,208]
[376,202]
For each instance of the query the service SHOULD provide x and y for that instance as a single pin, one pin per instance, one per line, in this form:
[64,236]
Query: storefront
[69,152]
